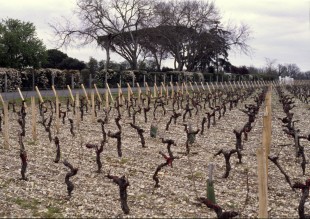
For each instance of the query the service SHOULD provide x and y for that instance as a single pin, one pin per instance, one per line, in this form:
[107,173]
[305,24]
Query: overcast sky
[280,28]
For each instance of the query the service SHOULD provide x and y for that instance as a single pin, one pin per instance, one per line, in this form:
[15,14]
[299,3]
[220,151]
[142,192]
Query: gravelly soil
[45,193]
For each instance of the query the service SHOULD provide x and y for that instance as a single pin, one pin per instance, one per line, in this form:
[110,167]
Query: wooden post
[120,94]
[107,85]
[190,83]
[57,115]
[77,110]
[98,94]
[155,90]
[6,127]
[185,85]
[107,104]
[178,87]
[22,97]
[172,89]
[85,93]
[231,86]
[165,90]
[197,86]
[203,88]
[209,87]
[1,99]
[139,93]
[55,93]
[262,183]
[92,97]
[39,94]
[33,119]
[57,110]
[212,86]
[129,93]
[70,92]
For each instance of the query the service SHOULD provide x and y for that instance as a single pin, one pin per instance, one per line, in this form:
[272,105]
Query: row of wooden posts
[183,88]
[109,99]
[262,152]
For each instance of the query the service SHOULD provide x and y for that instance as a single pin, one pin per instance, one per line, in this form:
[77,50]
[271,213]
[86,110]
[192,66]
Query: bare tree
[185,19]
[106,23]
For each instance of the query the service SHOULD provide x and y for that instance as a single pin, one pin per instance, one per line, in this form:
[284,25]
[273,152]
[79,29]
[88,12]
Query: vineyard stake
[208,87]
[1,99]
[70,92]
[97,92]
[107,85]
[33,119]
[92,97]
[155,90]
[85,93]
[190,83]
[6,126]
[172,89]
[213,88]
[182,89]
[178,87]
[148,90]
[197,86]
[120,94]
[77,110]
[139,94]
[128,93]
[22,97]
[203,88]
[39,94]
[106,98]
[262,183]
[57,115]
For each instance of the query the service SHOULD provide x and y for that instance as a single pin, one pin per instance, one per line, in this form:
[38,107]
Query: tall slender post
[77,110]
[70,92]
[92,97]
[6,126]
[33,119]
[57,115]
[85,93]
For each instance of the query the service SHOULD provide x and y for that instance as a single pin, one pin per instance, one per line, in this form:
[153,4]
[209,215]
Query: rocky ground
[94,195]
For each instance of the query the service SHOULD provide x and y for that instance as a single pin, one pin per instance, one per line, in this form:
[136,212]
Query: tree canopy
[190,31]
[19,45]
[60,60]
